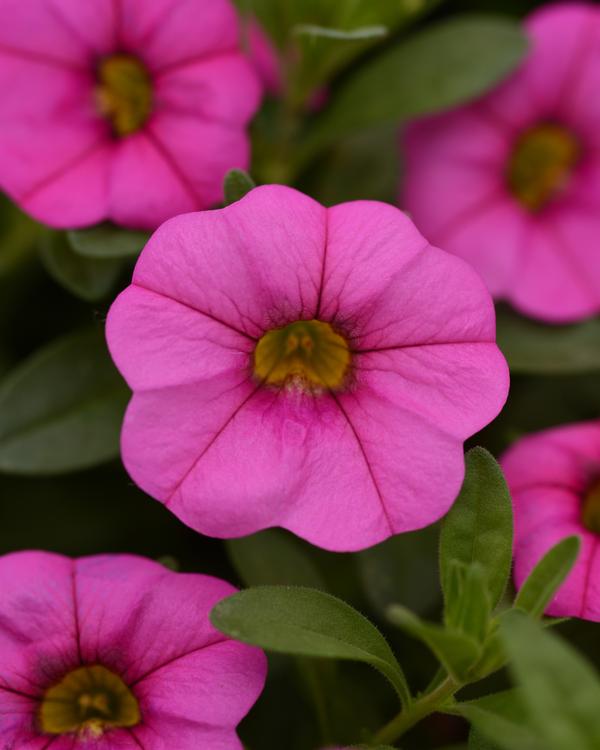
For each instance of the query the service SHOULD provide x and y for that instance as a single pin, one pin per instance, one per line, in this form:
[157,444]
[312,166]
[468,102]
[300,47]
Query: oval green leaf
[108,241]
[306,622]
[479,527]
[62,408]
[547,576]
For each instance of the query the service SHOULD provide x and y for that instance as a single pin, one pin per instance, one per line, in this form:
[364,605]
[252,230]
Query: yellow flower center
[308,354]
[591,508]
[88,701]
[124,93]
[541,164]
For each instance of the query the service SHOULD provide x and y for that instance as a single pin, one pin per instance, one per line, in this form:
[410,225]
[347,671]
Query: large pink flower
[511,183]
[554,477]
[312,368]
[127,110]
[117,652]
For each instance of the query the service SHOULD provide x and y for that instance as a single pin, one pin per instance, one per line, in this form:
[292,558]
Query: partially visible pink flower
[297,366]
[511,182]
[131,111]
[554,478]
[117,652]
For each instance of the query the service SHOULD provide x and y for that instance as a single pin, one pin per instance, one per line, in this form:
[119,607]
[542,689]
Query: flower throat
[87,702]
[541,165]
[124,93]
[307,354]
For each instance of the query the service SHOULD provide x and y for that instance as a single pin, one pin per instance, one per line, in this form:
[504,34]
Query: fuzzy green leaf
[479,527]
[307,622]
[547,576]
[62,408]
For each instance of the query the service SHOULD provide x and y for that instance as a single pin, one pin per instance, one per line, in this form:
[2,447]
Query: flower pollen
[591,508]
[541,165]
[124,93]
[88,701]
[307,353]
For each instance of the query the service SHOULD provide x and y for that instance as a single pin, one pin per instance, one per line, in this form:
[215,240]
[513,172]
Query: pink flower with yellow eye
[554,478]
[297,366]
[121,109]
[116,651]
[511,182]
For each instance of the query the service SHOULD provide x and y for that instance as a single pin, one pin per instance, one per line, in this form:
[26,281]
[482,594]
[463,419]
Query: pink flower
[117,652]
[121,109]
[554,477]
[311,368]
[511,183]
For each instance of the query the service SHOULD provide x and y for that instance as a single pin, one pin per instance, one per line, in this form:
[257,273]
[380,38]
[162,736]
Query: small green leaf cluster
[481,631]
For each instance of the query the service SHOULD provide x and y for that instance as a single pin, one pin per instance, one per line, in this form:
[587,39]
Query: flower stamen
[87,702]
[124,93]
[307,353]
[541,164]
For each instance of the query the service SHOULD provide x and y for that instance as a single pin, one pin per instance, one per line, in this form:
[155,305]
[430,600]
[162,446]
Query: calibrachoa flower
[511,183]
[117,652]
[554,478]
[312,368]
[121,109]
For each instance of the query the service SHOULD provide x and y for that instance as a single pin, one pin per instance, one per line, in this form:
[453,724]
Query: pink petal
[38,624]
[562,37]
[176,165]
[213,687]
[54,150]
[158,342]
[455,164]
[551,283]
[223,89]
[455,386]
[136,616]
[170,34]
[277,276]
[425,296]
[144,190]
[492,240]
[544,505]
[304,460]
[43,29]
[166,733]
[563,456]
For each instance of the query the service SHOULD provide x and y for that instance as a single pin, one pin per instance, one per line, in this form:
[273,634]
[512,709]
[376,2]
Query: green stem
[416,712]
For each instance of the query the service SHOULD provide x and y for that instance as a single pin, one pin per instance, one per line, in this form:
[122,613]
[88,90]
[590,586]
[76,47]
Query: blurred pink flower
[117,652]
[130,110]
[312,368]
[554,478]
[511,183]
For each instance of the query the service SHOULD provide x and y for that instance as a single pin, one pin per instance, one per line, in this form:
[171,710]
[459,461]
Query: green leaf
[440,67]
[469,608]
[237,184]
[457,651]
[547,576]
[500,718]
[536,348]
[306,622]
[560,688]
[273,557]
[108,241]
[479,527]
[478,741]
[363,32]
[62,408]
[89,278]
